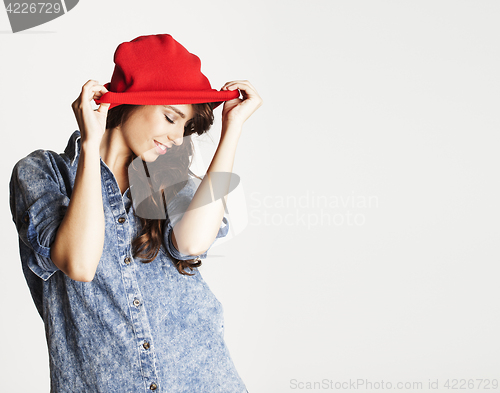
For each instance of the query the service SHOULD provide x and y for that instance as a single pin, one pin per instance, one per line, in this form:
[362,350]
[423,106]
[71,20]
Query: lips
[160,147]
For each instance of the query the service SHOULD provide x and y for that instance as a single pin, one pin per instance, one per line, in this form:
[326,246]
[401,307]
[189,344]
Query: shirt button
[121,220]
[127,260]
[137,302]
[153,386]
[26,219]
[146,345]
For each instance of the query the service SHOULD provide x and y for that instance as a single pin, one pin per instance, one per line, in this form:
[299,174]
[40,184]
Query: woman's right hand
[92,123]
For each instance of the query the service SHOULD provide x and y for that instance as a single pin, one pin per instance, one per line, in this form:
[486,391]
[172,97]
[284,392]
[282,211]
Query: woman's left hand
[238,110]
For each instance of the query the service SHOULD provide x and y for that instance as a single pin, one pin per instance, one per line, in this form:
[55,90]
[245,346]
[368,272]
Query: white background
[396,101]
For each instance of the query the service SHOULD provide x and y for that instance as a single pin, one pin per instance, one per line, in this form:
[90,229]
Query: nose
[177,141]
[177,137]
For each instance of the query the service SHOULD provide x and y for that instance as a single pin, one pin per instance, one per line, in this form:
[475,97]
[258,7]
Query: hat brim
[167,97]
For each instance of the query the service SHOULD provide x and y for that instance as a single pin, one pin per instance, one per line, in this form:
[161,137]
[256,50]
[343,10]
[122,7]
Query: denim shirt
[136,327]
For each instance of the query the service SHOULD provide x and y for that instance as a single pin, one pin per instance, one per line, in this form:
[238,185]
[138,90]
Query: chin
[149,158]
[149,155]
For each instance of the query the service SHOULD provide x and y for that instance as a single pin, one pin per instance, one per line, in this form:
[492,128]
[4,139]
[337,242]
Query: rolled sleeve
[176,209]
[38,207]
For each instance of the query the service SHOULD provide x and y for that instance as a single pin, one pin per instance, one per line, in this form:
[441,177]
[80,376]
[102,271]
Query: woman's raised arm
[79,242]
[198,228]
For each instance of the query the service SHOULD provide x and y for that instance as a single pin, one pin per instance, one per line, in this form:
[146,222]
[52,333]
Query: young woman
[112,230]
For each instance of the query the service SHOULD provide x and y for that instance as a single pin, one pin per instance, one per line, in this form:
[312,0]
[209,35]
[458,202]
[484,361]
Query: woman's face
[152,128]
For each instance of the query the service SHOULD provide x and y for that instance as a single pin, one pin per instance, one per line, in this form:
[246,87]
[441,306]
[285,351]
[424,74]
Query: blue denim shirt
[136,327]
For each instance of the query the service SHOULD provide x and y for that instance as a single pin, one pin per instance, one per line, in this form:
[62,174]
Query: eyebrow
[176,111]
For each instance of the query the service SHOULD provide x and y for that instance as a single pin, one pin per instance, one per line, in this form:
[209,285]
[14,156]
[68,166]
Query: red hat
[157,70]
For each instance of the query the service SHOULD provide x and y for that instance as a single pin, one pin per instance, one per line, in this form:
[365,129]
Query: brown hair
[176,163]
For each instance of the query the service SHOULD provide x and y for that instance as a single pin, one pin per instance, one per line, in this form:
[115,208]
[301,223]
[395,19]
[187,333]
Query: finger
[246,89]
[95,91]
[233,101]
[249,94]
[103,107]
[227,84]
[100,92]
[225,87]
[242,85]
[92,84]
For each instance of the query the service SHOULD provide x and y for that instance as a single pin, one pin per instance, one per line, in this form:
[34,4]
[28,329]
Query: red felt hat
[157,70]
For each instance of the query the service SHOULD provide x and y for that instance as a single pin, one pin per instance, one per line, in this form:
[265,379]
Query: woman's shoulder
[48,161]
[47,157]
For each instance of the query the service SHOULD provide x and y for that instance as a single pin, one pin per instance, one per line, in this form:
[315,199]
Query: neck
[116,155]
[114,150]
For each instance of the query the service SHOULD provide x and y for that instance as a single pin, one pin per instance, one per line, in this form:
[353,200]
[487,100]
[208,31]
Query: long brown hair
[176,164]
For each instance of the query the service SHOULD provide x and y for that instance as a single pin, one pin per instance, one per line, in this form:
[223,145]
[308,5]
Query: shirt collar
[72,149]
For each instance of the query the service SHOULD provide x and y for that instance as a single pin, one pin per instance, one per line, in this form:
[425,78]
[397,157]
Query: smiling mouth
[160,145]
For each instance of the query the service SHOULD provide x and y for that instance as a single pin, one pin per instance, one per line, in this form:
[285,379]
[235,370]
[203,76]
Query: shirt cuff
[223,230]
[40,242]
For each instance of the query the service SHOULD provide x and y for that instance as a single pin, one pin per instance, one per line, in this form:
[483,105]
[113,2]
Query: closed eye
[169,119]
